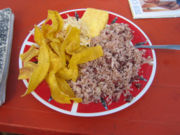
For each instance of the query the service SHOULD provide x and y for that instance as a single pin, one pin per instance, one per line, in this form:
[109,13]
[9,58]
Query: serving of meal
[83,62]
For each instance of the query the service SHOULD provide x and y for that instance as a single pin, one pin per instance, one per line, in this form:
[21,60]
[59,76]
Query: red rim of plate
[74,106]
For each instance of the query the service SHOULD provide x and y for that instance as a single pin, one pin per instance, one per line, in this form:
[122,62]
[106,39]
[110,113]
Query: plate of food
[83,62]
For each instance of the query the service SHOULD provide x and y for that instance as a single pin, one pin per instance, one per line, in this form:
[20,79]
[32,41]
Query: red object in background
[156,113]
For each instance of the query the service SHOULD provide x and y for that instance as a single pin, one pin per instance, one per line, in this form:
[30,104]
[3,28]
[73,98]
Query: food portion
[82,60]
[111,75]
[58,56]
[84,32]
[95,20]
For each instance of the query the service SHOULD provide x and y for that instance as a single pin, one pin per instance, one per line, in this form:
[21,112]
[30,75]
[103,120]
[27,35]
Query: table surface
[157,112]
